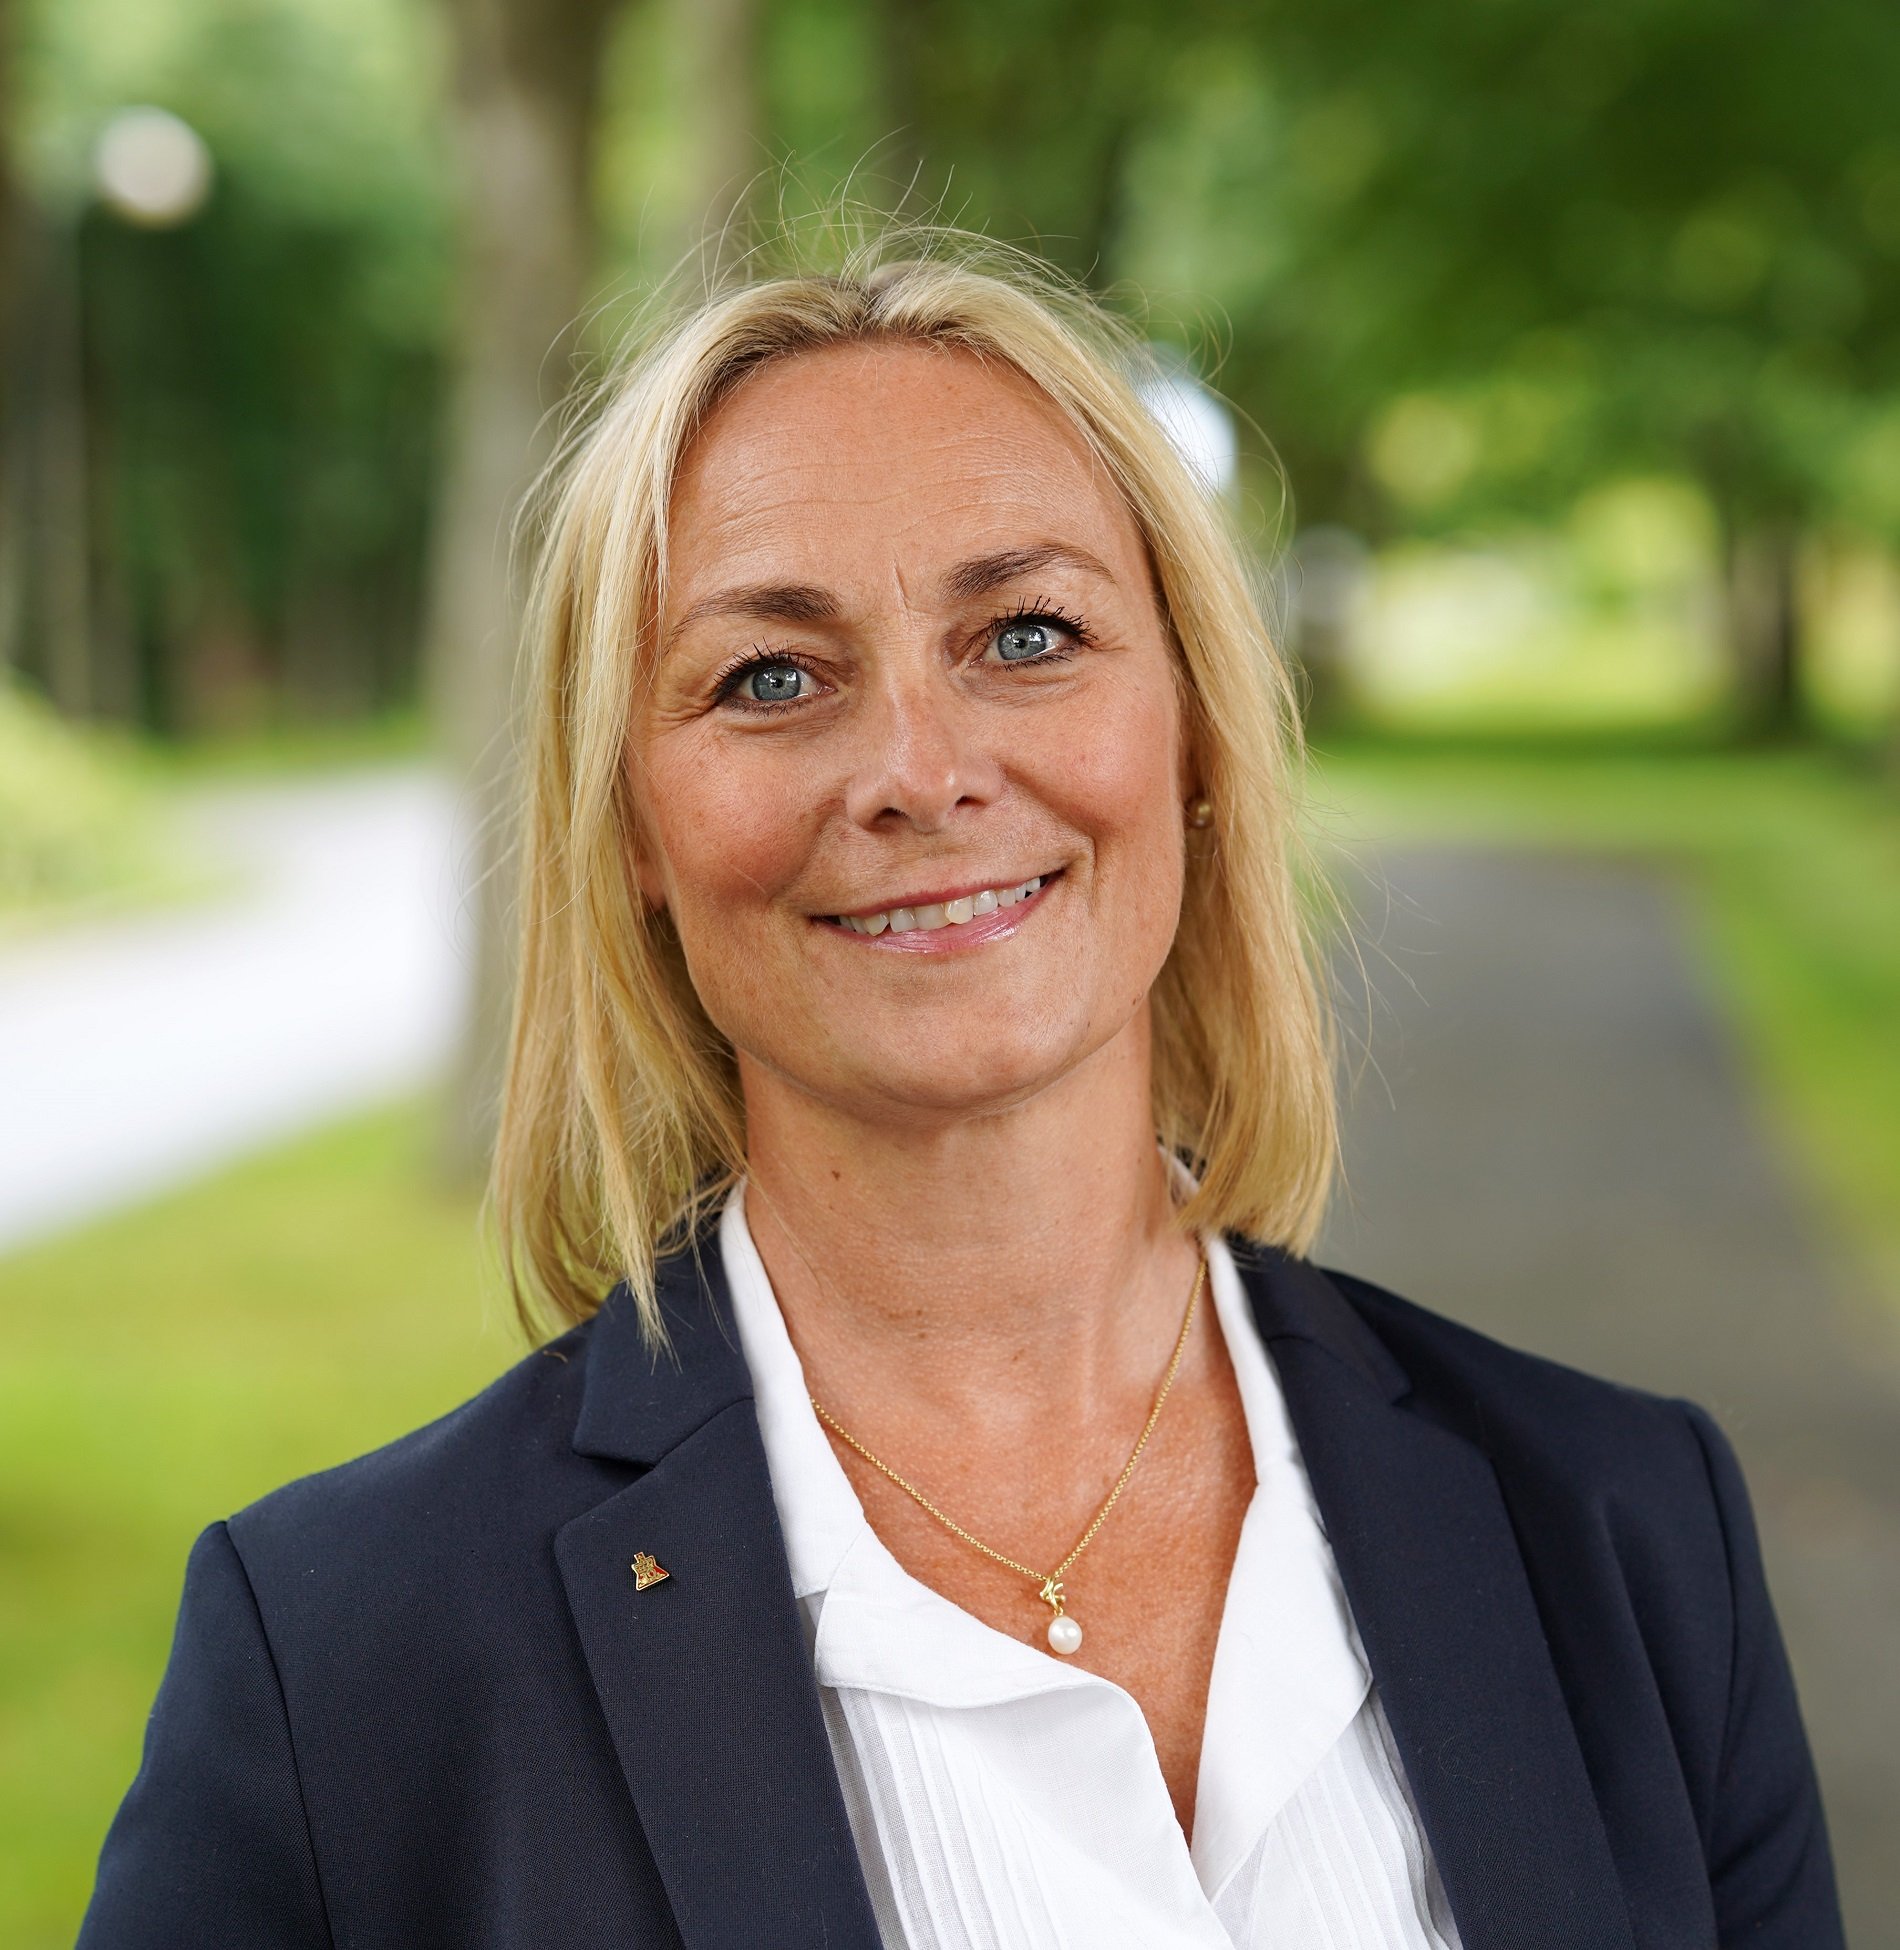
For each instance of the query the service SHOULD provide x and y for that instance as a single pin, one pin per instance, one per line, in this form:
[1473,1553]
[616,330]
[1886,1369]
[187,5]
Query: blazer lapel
[1442,1601]
[704,1675]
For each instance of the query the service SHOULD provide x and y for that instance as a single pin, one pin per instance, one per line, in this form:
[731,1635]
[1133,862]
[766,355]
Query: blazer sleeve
[1769,1861]
[211,1846]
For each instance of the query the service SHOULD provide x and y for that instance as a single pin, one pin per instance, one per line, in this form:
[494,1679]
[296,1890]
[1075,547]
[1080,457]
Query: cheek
[726,841]
[727,850]
[1120,782]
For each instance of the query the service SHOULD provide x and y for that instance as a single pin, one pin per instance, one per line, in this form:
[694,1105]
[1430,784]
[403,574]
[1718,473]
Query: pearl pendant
[1065,1636]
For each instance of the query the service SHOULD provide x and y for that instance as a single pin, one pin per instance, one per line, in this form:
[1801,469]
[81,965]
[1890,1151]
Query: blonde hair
[621,1119]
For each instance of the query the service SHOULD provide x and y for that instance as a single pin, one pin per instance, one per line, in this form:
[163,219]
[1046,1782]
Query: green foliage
[79,827]
[1462,265]
[162,1370]
[261,383]
[1478,258]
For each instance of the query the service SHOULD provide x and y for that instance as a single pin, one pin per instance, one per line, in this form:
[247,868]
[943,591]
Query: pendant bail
[1051,1594]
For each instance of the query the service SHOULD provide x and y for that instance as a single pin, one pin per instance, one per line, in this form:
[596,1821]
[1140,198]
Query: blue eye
[1026,638]
[771,683]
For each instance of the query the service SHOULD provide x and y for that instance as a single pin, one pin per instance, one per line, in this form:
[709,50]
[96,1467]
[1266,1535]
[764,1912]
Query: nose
[922,758]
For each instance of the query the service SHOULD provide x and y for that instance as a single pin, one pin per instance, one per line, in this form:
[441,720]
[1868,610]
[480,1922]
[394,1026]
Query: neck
[979,1267]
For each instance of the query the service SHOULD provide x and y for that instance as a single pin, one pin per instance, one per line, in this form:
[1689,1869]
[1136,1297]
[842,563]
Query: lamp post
[149,168]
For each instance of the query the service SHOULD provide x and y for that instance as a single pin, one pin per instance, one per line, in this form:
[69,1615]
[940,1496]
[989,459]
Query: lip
[947,940]
[939,898]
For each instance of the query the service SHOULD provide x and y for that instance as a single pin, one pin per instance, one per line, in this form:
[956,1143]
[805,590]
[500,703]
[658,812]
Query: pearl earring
[1200,814]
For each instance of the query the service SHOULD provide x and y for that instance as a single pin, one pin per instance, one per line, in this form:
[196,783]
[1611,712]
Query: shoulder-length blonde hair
[621,1117]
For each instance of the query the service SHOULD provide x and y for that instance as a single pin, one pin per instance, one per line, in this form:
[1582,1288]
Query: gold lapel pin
[647,1570]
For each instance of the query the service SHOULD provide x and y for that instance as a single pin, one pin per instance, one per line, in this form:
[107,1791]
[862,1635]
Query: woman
[970,1519]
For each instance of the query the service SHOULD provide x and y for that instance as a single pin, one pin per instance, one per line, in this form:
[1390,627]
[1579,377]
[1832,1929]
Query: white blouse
[1001,1798]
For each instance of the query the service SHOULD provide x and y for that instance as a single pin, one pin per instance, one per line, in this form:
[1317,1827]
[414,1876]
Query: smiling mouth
[937,915]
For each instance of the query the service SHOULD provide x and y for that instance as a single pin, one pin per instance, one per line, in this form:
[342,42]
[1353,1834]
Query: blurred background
[1562,353]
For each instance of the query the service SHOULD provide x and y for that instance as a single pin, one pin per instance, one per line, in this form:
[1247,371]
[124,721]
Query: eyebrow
[982,573]
[806,602]
[765,602]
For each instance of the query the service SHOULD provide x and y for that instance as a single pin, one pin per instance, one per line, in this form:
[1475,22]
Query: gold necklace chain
[1065,1635]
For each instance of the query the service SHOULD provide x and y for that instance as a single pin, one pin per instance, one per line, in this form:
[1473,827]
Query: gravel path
[1557,1142]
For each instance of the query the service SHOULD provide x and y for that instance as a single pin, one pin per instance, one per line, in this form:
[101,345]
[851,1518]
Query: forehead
[828,460]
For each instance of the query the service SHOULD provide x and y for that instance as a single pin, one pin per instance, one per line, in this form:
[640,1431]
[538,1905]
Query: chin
[951,1075]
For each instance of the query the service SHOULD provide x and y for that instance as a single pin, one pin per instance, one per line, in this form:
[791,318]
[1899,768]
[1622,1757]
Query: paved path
[138,1054]
[1559,1145]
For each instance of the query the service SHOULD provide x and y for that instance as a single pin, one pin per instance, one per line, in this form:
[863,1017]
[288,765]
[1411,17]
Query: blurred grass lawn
[171,1364]
[162,1369]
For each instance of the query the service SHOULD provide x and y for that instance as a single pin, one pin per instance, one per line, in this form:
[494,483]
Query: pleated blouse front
[1001,1798]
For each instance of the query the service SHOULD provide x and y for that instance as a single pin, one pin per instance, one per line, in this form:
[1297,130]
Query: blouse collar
[1289,1674]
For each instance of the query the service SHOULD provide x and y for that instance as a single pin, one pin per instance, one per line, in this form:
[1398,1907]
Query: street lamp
[151,168]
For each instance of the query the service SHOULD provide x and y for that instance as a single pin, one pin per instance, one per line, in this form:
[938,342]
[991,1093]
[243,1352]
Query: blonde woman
[956,1512]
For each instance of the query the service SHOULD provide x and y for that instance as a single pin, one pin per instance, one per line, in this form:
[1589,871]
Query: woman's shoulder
[1650,1475]
[1645,1452]
[480,1493]
[468,1489]
[1438,1347]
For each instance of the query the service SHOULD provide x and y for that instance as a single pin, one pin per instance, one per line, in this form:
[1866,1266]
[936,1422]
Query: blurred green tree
[1475,260]
[1019,117]
[247,401]
[11,494]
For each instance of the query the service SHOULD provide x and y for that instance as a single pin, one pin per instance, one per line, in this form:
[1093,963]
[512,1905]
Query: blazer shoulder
[1528,1409]
[500,1462]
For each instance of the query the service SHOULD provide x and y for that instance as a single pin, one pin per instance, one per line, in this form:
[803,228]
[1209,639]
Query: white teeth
[946,914]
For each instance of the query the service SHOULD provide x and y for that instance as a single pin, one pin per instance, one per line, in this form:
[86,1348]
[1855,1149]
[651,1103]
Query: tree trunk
[526,92]
[47,547]
[721,45]
[12,498]
[1102,206]
[901,29]
[1766,630]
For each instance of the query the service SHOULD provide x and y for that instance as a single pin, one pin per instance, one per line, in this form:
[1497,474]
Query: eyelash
[726,684]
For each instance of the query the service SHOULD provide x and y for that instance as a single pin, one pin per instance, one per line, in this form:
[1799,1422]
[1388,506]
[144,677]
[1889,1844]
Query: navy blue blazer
[418,1701]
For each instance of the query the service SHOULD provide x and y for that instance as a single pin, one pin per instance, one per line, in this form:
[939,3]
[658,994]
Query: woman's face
[911,771]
